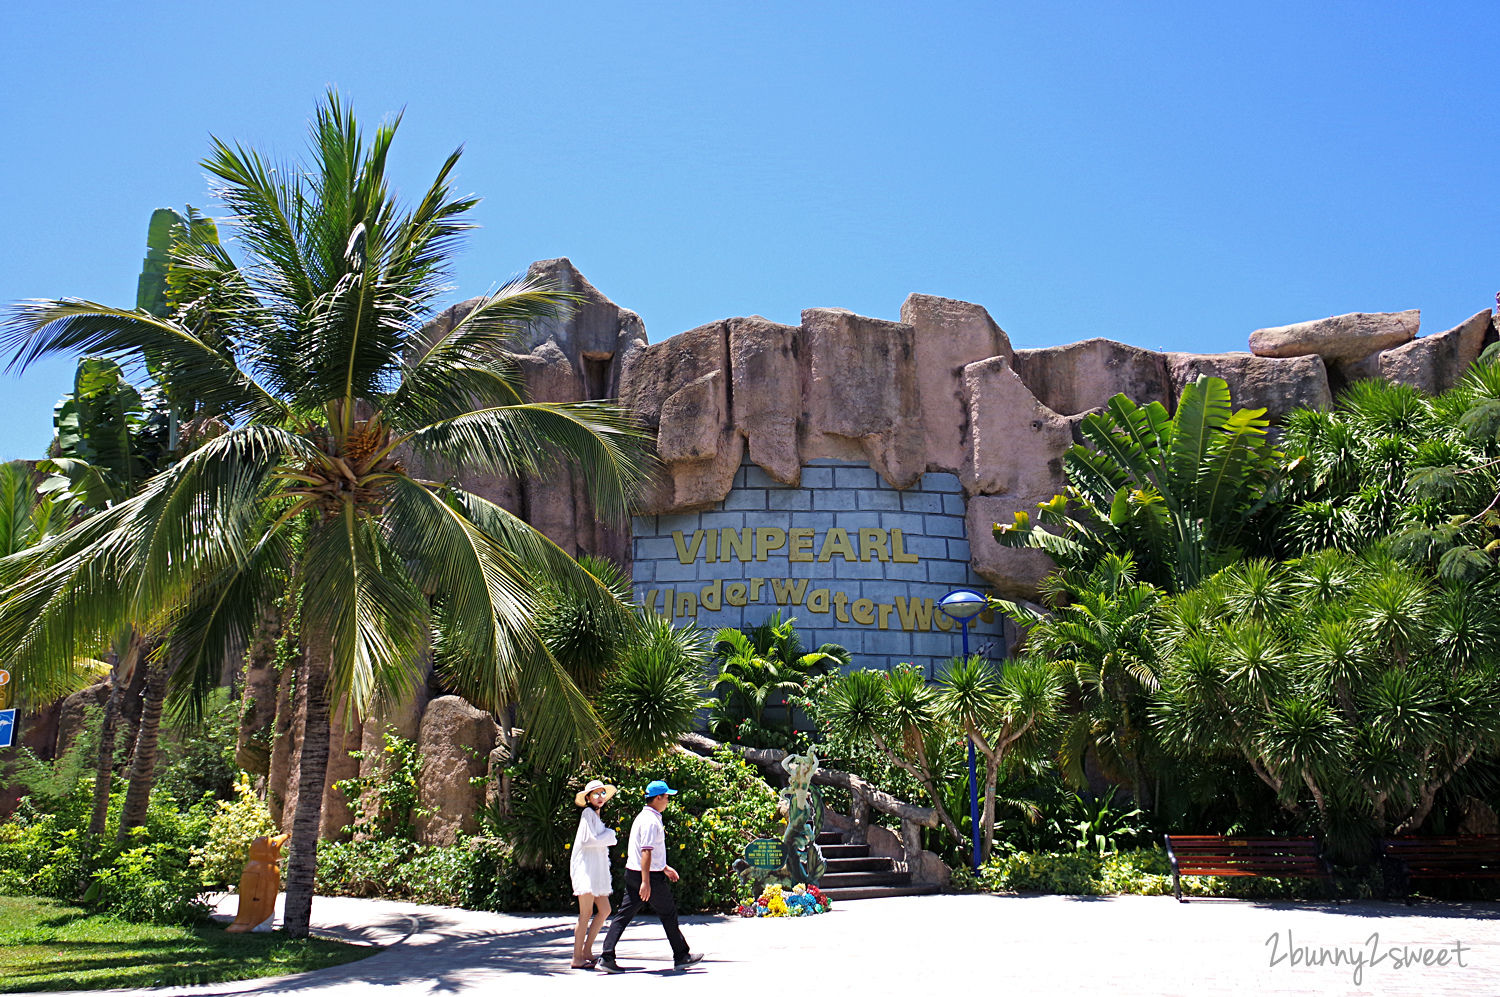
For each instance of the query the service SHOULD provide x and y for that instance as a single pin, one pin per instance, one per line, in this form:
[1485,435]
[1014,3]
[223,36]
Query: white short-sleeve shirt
[647,832]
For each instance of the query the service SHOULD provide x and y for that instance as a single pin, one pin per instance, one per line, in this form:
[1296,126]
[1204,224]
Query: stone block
[1017,442]
[958,550]
[833,500]
[948,335]
[954,505]
[1338,338]
[455,740]
[945,526]
[722,520]
[1435,363]
[745,499]
[1274,384]
[1081,376]
[855,477]
[861,389]
[817,477]
[879,498]
[767,383]
[921,502]
[789,498]
[1014,573]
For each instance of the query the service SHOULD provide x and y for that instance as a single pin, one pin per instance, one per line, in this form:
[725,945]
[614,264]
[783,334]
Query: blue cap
[659,788]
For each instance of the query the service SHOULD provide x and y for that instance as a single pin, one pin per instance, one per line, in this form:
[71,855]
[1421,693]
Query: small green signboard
[764,853]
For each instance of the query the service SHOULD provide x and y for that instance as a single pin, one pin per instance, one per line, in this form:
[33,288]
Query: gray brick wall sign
[857,562]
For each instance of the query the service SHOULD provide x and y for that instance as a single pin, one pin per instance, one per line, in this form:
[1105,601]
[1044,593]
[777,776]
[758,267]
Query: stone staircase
[854,874]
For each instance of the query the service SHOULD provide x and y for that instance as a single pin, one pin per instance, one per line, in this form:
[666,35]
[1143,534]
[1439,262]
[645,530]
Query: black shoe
[687,960]
[607,964]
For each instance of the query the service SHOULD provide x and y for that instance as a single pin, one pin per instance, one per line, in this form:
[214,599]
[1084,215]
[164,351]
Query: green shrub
[398,869]
[148,882]
[235,824]
[721,805]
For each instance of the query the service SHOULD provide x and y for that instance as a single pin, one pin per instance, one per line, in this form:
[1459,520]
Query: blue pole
[973,782]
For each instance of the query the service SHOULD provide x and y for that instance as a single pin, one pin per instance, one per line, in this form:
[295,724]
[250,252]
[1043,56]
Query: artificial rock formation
[940,390]
[456,740]
[1339,338]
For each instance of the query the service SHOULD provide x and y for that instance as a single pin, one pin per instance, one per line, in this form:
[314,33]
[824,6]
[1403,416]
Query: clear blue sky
[1169,175]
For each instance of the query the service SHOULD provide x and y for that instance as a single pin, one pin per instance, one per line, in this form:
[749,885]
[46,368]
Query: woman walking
[590,870]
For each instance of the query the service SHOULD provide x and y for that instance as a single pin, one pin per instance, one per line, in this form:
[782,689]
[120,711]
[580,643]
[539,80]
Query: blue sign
[7,727]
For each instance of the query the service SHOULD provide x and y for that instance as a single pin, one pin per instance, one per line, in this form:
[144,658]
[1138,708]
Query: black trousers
[662,902]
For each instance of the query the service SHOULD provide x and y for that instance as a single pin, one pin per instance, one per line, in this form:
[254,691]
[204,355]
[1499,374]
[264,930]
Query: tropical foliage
[1175,492]
[1354,688]
[312,349]
[763,669]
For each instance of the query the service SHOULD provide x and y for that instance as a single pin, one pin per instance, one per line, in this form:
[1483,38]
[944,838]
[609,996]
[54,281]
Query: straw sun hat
[582,799]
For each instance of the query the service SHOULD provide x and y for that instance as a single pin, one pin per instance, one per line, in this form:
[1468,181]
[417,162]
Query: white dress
[590,862]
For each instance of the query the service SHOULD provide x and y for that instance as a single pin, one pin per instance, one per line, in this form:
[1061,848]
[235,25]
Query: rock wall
[839,415]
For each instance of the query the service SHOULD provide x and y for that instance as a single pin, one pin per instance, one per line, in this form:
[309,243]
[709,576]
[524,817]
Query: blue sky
[1170,175]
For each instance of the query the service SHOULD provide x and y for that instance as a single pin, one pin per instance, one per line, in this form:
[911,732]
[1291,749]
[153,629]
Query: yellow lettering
[802,539]
[836,541]
[898,550]
[734,593]
[872,541]
[738,541]
[840,600]
[711,549]
[943,621]
[915,614]
[709,596]
[686,555]
[768,539]
[650,603]
[687,605]
[885,615]
[863,611]
[788,591]
[817,601]
[755,587]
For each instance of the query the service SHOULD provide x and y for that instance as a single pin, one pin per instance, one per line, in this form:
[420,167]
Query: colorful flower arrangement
[801,901]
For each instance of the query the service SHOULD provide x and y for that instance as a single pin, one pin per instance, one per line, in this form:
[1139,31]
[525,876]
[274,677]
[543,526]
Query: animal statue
[259,883]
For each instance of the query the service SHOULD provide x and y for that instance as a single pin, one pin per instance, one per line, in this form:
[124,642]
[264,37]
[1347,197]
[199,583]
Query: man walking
[648,881]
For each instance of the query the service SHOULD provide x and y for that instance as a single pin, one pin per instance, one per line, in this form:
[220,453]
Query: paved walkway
[1023,946]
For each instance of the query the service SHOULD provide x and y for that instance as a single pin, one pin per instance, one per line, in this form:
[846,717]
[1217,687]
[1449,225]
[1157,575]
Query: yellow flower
[567,846]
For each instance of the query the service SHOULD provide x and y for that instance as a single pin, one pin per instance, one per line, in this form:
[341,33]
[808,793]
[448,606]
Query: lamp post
[961,606]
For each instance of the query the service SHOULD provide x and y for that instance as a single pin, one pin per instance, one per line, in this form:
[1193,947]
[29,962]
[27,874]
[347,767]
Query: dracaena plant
[309,341]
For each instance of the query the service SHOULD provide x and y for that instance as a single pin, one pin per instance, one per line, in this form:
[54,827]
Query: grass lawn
[47,945]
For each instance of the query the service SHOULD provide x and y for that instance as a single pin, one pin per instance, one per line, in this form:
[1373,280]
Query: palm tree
[1102,643]
[312,348]
[1006,715]
[766,666]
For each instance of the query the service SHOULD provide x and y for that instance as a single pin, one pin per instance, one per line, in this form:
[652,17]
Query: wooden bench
[1216,855]
[1472,856]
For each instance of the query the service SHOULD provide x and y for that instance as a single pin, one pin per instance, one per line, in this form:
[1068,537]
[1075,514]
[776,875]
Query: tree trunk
[143,763]
[312,770]
[120,676]
[252,751]
[105,763]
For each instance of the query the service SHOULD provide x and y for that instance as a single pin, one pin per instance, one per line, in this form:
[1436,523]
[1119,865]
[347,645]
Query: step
[871,863]
[842,880]
[844,851]
[830,838]
[847,893]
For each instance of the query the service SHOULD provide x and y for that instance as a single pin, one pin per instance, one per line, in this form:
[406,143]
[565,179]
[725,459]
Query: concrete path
[1007,946]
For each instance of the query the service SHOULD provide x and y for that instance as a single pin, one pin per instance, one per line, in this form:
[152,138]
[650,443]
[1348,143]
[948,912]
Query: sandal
[585,964]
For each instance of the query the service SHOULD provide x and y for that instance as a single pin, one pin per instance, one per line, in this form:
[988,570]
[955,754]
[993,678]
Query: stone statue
[796,859]
[259,884]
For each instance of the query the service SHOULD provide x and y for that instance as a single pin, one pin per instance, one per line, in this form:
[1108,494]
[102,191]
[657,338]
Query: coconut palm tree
[312,348]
